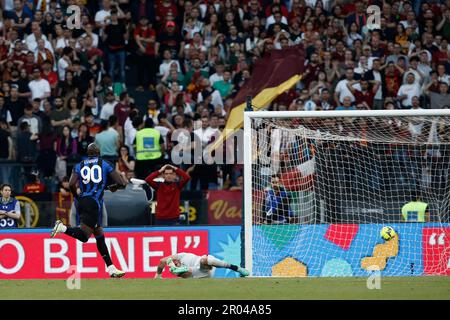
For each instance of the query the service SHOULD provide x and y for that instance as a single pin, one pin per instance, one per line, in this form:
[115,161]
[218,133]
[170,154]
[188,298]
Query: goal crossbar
[349,113]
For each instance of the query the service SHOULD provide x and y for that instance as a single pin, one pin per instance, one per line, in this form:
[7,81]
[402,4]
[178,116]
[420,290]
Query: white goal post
[340,200]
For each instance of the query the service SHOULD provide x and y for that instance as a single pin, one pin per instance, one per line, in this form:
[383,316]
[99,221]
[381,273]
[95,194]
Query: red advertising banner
[224,207]
[436,251]
[36,256]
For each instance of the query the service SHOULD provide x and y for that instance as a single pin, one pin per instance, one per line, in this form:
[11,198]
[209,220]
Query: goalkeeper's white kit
[192,261]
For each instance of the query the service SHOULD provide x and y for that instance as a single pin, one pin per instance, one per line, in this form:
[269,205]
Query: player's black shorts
[88,209]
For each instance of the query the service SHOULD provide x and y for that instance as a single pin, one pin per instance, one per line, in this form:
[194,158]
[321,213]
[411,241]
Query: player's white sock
[63,228]
[212,261]
[111,268]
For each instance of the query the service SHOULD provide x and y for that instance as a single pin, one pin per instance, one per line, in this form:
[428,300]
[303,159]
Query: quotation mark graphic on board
[436,251]
[440,239]
[188,241]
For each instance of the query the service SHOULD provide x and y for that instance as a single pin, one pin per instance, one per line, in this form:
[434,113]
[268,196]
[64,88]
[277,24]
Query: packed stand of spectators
[63,87]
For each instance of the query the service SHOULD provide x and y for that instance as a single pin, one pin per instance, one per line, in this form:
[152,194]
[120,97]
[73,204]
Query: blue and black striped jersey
[93,177]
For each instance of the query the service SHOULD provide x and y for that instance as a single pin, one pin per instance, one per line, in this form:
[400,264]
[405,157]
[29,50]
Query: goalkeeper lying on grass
[188,265]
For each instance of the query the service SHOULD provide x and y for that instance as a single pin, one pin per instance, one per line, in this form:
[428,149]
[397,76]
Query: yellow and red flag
[273,74]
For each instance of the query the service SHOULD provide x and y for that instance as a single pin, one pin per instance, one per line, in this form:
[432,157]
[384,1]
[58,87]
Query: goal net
[320,187]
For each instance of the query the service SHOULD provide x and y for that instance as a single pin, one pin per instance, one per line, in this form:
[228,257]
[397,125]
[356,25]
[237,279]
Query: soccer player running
[189,265]
[94,173]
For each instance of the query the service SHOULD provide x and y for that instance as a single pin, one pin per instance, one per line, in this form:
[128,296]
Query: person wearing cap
[33,121]
[170,24]
[170,39]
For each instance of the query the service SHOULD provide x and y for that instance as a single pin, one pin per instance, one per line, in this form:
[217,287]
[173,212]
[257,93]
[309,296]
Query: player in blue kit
[9,208]
[91,176]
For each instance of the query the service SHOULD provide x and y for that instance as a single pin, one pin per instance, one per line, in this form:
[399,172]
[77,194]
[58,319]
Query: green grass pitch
[231,289]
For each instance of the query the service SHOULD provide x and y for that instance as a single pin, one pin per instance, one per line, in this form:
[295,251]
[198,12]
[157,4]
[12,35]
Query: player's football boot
[243,272]
[57,228]
[116,273]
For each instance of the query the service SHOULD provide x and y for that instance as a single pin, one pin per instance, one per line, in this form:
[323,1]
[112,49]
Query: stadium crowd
[63,87]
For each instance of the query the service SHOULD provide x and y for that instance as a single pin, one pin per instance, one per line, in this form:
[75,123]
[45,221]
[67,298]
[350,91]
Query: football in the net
[387,233]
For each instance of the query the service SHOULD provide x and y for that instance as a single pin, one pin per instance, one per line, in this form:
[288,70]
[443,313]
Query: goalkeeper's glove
[178,271]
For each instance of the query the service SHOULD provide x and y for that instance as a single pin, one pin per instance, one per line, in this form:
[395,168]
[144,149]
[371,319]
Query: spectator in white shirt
[342,90]
[32,39]
[165,65]
[63,41]
[102,16]
[94,36]
[411,22]
[442,75]
[413,68]
[40,88]
[108,107]
[273,19]
[218,75]
[209,93]
[409,90]
[205,133]
[64,63]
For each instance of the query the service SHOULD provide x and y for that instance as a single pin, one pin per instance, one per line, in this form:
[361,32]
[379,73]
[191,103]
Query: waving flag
[273,74]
